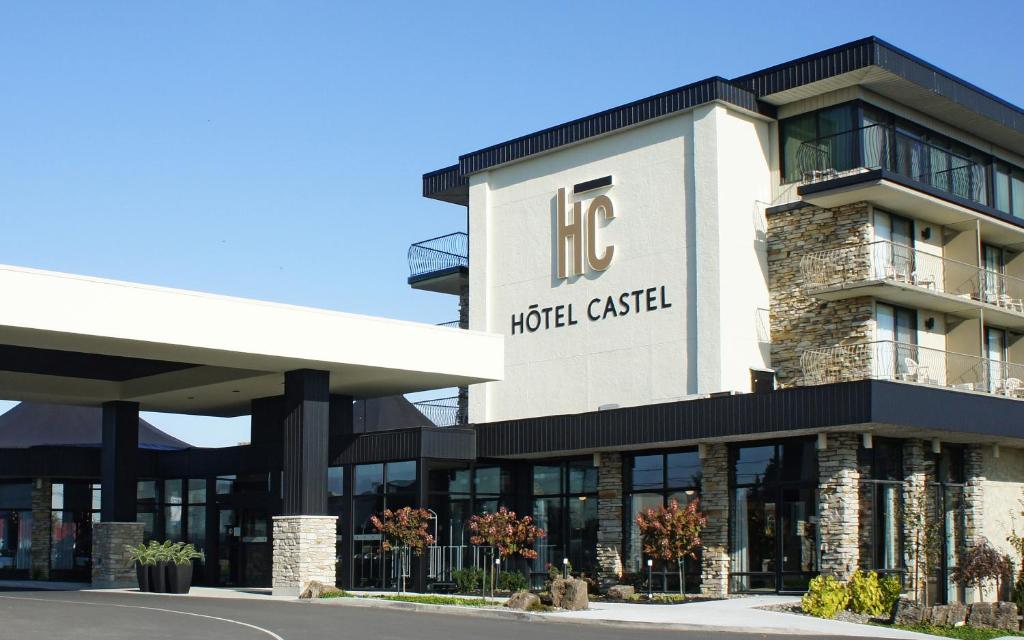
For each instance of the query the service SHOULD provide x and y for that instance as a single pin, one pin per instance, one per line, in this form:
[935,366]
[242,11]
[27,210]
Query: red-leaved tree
[672,533]
[404,528]
[507,533]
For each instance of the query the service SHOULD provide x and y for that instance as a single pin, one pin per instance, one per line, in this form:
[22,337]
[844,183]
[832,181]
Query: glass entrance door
[244,550]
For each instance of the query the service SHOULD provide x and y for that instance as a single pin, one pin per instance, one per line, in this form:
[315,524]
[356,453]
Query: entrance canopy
[81,340]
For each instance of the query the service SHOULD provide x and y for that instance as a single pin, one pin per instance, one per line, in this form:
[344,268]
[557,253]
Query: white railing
[889,360]
[885,260]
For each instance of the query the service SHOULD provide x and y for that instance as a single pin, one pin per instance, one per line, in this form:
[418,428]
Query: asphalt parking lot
[30,614]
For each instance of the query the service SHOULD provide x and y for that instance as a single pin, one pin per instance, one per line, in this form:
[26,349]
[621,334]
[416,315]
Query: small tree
[980,565]
[507,533]
[672,533]
[404,529]
[923,548]
[1017,542]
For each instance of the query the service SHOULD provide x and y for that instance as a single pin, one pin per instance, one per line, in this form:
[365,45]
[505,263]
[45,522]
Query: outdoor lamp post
[650,578]
[565,568]
[497,569]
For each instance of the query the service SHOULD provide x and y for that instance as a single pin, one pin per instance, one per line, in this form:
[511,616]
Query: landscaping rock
[523,600]
[982,614]
[956,614]
[1006,616]
[315,589]
[620,591]
[938,615]
[570,594]
[907,612]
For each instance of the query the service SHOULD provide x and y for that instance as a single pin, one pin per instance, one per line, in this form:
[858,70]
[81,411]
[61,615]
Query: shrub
[825,597]
[468,580]
[892,587]
[512,581]
[866,593]
[980,565]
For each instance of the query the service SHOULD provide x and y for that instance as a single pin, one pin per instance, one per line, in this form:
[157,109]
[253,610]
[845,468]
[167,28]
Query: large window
[947,489]
[654,481]
[376,487]
[817,141]
[75,506]
[565,506]
[774,516]
[15,529]
[896,354]
[173,509]
[881,503]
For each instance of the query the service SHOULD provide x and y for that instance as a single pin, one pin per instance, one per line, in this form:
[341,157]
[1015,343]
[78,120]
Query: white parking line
[131,606]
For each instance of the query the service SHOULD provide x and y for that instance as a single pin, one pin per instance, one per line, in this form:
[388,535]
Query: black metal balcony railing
[883,147]
[443,412]
[451,323]
[439,254]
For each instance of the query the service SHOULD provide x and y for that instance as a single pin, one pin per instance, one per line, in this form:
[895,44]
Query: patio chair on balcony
[1013,304]
[1011,387]
[915,372]
[926,280]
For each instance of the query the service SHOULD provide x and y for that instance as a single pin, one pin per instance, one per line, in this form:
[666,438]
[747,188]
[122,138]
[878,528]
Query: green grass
[335,594]
[964,632]
[443,600]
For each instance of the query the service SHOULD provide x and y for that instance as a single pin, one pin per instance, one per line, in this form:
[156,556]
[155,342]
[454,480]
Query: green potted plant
[143,559]
[158,569]
[179,569]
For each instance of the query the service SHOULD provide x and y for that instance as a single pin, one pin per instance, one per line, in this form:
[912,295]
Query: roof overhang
[84,340]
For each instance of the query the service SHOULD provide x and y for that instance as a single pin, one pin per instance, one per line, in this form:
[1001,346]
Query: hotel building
[797,295]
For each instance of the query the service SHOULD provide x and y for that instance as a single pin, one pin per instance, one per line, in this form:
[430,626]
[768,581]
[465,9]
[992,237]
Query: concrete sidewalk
[734,614]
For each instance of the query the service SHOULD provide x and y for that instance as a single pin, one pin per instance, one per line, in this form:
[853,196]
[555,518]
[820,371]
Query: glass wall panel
[401,476]
[335,482]
[369,479]
[15,529]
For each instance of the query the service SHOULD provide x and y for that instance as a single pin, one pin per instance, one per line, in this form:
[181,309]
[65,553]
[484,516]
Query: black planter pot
[158,577]
[179,577]
[142,575]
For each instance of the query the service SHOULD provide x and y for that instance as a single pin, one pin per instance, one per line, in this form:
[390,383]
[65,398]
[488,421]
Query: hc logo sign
[574,239]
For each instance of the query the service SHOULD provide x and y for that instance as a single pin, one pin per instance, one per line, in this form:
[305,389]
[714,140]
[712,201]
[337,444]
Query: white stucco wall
[684,192]
[1003,491]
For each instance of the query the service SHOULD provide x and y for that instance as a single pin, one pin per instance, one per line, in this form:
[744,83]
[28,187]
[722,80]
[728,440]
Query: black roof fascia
[745,91]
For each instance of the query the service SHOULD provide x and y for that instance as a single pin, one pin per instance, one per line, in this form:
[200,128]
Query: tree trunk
[682,583]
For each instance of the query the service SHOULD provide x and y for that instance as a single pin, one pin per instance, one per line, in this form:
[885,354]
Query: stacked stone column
[609,518]
[42,497]
[304,551]
[715,505]
[839,505]
[918,467]
[111,565]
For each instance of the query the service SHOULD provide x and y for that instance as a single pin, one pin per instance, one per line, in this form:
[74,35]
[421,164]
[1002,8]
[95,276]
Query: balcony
[442,412]
[901,362]
[897,171]
[901,275]
[440,264]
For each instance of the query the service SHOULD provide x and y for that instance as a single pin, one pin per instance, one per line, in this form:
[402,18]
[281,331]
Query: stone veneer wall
[918,470]
[839,505]
[304,550]
[799,321]
[974,494]
[42,498]
[714,501]
[111,564]
[609,518]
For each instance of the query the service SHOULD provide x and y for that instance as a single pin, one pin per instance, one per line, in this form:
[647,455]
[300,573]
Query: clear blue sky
[274,149]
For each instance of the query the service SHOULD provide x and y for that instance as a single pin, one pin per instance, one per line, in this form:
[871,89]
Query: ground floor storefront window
[75,506]
[565,506]
[376,487]
[15,529]
[947,500]
[881,507]
[774,537]
[654,480]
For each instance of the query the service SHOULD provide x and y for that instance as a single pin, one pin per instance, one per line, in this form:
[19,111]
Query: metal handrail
[442,412]
[880,146]
[892,261]
[439,254]
[891,360]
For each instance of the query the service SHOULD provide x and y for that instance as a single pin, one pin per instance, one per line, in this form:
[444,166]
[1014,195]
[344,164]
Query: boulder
[1006,616]
[938,614]
[523,600]
[982,614]
[907,612]
[956,614]
[315,589]
[570,594]
[620,591]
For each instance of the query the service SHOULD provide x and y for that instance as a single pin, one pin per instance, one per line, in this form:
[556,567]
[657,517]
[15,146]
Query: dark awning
[31,424]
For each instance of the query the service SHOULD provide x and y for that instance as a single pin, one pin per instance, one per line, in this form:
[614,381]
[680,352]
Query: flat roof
[871,62]
[81,340]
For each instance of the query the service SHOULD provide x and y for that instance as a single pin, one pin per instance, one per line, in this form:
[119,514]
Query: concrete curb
[555,618]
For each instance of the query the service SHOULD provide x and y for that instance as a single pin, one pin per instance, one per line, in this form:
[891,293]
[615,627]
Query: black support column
[305,442]
[120,450]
